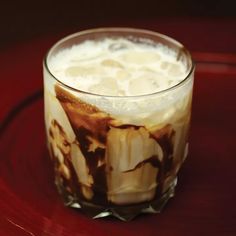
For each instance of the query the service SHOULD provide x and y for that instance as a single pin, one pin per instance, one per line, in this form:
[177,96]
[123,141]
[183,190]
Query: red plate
[206,193]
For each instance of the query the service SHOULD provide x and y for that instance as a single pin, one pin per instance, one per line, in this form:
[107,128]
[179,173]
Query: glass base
[124,213]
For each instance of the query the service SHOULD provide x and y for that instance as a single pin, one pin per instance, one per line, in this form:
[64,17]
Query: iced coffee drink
[117,113]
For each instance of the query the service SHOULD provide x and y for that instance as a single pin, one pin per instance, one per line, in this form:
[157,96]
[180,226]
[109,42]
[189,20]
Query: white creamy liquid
[117,67]
[136,128]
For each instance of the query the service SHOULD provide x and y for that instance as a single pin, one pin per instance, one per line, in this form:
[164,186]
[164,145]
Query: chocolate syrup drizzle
[88,122]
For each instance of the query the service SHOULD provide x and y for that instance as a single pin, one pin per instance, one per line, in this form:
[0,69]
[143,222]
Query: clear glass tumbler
[117,155]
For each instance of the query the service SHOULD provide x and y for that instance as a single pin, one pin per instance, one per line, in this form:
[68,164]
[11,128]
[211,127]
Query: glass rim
[186,78]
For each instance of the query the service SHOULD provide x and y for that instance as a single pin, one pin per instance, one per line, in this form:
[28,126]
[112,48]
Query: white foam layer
[117,67]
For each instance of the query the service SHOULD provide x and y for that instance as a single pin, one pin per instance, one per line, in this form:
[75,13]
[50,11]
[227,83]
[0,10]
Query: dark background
[20,20]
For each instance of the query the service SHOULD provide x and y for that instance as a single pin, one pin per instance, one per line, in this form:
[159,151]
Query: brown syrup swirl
[91,127]
[153,160]
[64,171]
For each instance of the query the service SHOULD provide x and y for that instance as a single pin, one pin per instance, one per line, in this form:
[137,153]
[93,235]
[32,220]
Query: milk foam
[117,67]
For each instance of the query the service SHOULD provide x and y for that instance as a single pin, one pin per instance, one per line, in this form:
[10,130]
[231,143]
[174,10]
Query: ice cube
[171,82]
[82,71]
[164,65]
[174,69]
[140,58]
[122,75]
[107,86]
[131,172]
[143,85]
[111,63]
